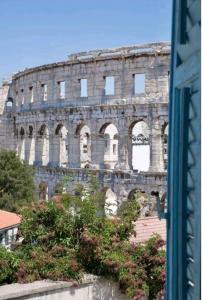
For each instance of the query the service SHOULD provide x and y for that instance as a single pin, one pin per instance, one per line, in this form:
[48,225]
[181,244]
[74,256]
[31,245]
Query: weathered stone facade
[63,118]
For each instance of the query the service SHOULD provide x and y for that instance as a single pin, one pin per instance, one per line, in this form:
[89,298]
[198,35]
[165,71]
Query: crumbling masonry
[102,112]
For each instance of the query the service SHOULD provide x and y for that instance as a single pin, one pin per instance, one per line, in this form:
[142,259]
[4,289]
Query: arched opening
[140,147]
[30,146]
[60,155]
[111,204]
[147,204]
[110,133]
[165,146]
[42,146]
[21,144]
[85,146]
[9,104]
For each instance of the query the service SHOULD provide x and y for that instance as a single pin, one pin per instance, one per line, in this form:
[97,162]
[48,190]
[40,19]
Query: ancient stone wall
[105,110]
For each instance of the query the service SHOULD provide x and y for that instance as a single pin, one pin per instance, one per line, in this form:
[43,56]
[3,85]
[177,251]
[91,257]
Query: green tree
[16,181]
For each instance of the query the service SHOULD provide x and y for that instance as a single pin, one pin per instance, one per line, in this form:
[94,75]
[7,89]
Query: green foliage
[16,181]
[9,263]
[39,262]
[64,240]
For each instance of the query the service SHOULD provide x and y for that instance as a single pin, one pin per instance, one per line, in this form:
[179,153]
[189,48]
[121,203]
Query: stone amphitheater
[102,112]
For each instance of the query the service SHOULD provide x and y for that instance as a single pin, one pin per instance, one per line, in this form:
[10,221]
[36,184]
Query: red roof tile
[8,219]
[146,227]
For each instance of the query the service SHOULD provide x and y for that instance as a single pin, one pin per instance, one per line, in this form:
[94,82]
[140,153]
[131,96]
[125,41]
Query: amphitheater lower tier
[118,186]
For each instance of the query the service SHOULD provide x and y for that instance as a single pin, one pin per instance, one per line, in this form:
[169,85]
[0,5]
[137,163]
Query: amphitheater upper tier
[82,79]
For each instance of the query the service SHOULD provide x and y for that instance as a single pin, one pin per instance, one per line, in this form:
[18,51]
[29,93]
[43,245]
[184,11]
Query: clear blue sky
[35,32]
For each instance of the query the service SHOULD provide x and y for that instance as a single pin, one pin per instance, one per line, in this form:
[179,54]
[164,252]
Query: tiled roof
[8,219]
[146,227]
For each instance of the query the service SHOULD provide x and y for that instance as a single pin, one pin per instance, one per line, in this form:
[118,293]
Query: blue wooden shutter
[184,160]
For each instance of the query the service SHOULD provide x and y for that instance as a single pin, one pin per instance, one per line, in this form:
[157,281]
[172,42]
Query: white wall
[96,289]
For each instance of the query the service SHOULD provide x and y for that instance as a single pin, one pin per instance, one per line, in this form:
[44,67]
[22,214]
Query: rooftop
[8,219]
[146,227]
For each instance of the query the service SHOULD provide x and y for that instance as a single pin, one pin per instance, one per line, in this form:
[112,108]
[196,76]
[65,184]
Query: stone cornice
[151,49]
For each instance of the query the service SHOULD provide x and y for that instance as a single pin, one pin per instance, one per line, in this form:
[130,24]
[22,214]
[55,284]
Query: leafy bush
[64,240]
[9,263]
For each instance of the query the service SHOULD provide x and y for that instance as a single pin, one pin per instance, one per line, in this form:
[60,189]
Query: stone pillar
[52,91]
[27,148]
[55,152]
[63,151]
[38,151]
[51,148]
[97,151]
[30,150]
[21,148]
[156,154]
[123,151]
[74,150]
[52,145]
[45,151]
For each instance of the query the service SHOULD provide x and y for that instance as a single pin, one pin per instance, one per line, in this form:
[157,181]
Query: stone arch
[84,133]
[110,135]
[9,104]
[30,131]
[135,191]
[131,126]
[21,143]
[111,202]
[42,146]
[22,132]
[60,146]
[146,202]
[165,144]
[140,145]
[42,130]
[103,128]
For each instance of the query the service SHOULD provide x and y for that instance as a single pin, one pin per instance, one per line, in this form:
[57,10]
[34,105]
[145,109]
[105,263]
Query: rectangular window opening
[61,89]
[85,149]
[45,91]
[22,96]
[84,87]
[114,149]
[31,94]
[16,92]
[139,84]
[109,85]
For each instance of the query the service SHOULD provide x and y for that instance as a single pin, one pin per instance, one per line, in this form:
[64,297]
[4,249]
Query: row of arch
[147,203]
[44,149]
